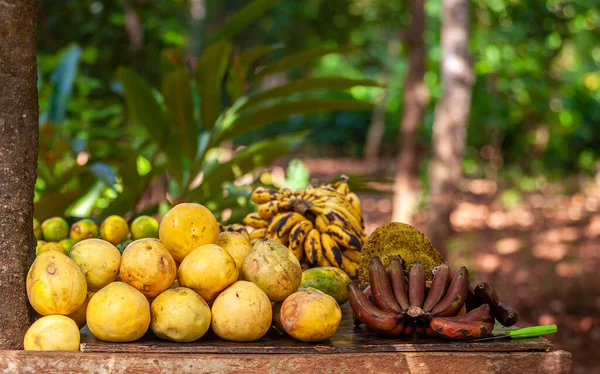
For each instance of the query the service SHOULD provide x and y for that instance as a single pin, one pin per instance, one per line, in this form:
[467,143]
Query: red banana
[416,285]
[398,282]
[368,313]
[455,297]
[448,328]
[383,296]
[439,284]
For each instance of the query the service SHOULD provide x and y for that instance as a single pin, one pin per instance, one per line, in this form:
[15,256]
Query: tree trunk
[18,163]
[450,123]
[416,97]
[376,130]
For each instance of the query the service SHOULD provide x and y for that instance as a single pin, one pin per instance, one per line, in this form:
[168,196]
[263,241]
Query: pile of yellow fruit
[55,233]
[190,279]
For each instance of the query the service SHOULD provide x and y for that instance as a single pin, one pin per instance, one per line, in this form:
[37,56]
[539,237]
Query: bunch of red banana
[484,293]
[395,305]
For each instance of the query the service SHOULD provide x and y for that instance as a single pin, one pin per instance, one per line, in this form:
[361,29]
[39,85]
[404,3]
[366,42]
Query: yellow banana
[286,192]
[336,217]
[350,267]
[321,223]
[353,199]
[268,210]
[253,220]
[342,186]
[324,262]
[271,231]
[297,236]
[352,255]
[257,234]
[344,237]
[343,207]
[312,247]
[285,224]
[331,250]
[263,195]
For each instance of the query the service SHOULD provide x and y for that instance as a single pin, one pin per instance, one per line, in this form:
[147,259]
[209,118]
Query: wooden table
[350,350]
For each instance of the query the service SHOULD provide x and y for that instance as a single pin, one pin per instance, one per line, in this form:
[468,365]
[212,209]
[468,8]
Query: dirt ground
[542,255]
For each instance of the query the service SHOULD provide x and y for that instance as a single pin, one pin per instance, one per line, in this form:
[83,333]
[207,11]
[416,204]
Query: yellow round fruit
[310,315]
[37,229]
[114,229]
[83,229]
[40,244]
[118,313]
[208,270]
[55,229]
[79,315]
[148,266]
[52,333]
[273,268]
[237,246]
[180,315]
[99,260]
[53,246]
[186,227]
[144,227]
[241,313]
[55,284]
[67,244]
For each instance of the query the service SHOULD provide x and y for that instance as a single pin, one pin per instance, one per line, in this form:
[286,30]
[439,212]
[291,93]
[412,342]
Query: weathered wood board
[348,339]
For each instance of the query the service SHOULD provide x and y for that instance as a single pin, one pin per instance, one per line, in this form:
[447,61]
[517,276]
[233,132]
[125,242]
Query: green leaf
[309,84]
[211,69]
[243,18]
[238,72]
[301,58]
[142,105]
[259,154]
[147,112]
[177,93]
[256,119]
[63,78]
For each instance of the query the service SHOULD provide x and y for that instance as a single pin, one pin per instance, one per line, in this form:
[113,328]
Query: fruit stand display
[297,277]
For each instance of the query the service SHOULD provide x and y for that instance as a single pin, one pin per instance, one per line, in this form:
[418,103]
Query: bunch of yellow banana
[322,225]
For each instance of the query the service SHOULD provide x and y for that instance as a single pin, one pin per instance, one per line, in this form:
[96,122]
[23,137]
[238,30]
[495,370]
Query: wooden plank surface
[348,339]
[555,362]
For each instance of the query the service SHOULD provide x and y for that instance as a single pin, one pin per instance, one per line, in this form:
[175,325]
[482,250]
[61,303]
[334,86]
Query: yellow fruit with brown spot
[180,315]
[273,268]
[148,266]
[52,333]
[118,313]
[99,260]
[237,246]
[114,229]
[53,246]
[241,313]
[186,227]
[79,315]
[208,270]
[310,315]
[55,284]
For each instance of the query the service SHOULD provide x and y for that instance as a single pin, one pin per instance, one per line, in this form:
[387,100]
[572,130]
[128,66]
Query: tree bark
[450,123]
[416,97]
[18,163]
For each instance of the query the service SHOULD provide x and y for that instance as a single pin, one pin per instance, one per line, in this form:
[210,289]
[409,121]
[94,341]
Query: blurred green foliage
[535,109]
[178,130]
